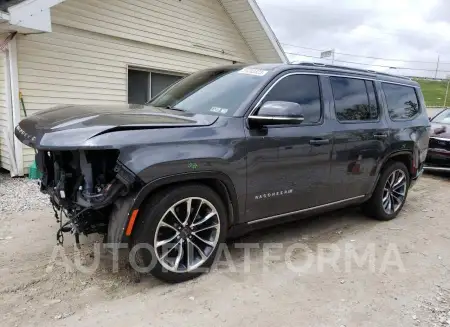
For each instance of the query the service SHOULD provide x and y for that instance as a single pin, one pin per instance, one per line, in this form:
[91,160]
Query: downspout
[15,101]
[13,104]
[8,134]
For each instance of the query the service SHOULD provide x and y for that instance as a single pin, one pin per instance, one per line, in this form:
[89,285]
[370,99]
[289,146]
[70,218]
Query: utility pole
[437,68]
[446,92]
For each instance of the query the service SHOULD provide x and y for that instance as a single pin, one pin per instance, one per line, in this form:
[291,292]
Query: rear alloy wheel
[390,193]
[394,192]
[183,228]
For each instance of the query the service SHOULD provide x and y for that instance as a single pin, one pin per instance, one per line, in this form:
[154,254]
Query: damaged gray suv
[230,149]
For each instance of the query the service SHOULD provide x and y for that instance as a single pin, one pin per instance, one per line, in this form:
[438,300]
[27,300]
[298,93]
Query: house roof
[245,14]
[256,31]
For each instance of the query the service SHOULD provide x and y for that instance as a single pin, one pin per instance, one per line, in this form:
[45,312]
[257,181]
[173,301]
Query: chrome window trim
[278,81]
[276,118]
[321,74]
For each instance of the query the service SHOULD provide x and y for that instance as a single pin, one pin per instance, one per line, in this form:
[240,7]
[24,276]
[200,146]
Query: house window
[144,85]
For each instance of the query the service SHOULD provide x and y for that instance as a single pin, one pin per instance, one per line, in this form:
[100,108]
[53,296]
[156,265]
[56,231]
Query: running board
[304,210]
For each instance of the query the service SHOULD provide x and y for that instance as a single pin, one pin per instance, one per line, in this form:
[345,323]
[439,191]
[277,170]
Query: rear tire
[390,193]
[181,246]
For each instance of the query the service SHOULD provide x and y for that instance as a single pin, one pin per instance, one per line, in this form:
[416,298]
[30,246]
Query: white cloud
[415,30]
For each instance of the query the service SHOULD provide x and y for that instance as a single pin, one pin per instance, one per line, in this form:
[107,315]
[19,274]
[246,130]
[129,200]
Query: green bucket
[33,171]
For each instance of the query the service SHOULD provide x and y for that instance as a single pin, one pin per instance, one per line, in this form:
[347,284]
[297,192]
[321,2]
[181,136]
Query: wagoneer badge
[273,194]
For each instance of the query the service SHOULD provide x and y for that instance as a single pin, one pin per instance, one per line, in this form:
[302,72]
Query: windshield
[218,91]
[443,117]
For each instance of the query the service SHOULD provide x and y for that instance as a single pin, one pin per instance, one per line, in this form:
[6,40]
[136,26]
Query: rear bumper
[438,158]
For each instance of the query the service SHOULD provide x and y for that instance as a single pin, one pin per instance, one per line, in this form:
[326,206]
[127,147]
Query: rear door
[361,136]
[410,126]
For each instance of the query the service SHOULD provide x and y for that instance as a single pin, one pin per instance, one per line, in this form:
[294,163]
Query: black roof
[5,4]
[329,69]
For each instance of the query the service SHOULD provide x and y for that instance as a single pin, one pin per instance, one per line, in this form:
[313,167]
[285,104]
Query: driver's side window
[301,89]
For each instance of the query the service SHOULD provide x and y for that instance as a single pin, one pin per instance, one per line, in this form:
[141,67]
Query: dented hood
[72,126]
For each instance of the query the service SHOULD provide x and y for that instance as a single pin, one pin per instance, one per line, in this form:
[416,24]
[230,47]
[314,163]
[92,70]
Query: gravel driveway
[20,194]
[405,283]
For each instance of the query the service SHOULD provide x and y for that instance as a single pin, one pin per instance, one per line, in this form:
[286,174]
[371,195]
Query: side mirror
[278,113]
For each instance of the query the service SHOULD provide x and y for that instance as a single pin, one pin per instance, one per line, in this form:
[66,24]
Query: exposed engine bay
[82,186]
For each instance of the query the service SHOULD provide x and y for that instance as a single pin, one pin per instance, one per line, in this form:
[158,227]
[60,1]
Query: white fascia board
[34,14]
[270,34]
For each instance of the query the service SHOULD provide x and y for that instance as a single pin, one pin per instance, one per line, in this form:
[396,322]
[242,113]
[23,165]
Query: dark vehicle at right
[438,157]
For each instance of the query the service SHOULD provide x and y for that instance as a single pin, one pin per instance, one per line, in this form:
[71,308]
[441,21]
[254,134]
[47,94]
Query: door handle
[380,136]
[319,142]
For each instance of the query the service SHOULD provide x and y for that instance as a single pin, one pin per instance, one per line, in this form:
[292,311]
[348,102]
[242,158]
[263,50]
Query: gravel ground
[35,291]
[20,194]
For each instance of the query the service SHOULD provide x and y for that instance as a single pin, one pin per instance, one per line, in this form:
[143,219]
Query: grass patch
[434,92]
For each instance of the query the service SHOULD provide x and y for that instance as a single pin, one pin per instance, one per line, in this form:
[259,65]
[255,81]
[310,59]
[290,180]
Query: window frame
[278,79]
[150,71]
[365,80]
[387,104]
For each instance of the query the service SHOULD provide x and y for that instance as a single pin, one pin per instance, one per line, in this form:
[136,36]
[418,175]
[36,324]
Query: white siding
[86,57]
[4,153]
[200,26]
[251,29]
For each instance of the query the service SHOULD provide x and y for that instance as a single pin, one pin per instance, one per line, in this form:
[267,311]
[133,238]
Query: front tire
[182,229]
[390,193]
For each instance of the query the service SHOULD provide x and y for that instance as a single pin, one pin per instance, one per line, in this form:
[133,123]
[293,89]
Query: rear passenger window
[401,100]
[302,89]
[354,99]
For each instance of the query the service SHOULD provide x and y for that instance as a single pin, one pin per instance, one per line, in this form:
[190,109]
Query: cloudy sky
[416,31]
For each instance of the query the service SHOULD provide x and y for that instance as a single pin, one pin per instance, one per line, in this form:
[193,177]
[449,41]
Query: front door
[361,137]
[288,166]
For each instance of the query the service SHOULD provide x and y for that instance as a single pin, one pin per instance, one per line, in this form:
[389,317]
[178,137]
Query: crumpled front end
[78,153]
[83,185]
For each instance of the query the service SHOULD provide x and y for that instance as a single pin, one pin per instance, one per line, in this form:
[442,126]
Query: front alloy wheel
[187,234]
[182,227]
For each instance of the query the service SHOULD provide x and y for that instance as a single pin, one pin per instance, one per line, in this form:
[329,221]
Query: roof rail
[335,66]
[318,64]
[397,76]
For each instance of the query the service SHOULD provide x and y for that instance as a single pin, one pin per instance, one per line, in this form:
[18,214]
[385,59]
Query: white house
[114,51]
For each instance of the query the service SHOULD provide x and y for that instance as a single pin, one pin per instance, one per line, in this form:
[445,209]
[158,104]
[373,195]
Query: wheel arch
[218,181]
[407,157]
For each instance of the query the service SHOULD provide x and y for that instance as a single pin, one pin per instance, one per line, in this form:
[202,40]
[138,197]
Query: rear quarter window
[402,101]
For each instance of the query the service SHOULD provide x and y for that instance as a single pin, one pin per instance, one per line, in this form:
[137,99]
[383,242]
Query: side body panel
[285,172]
[203,152]
[409,136]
